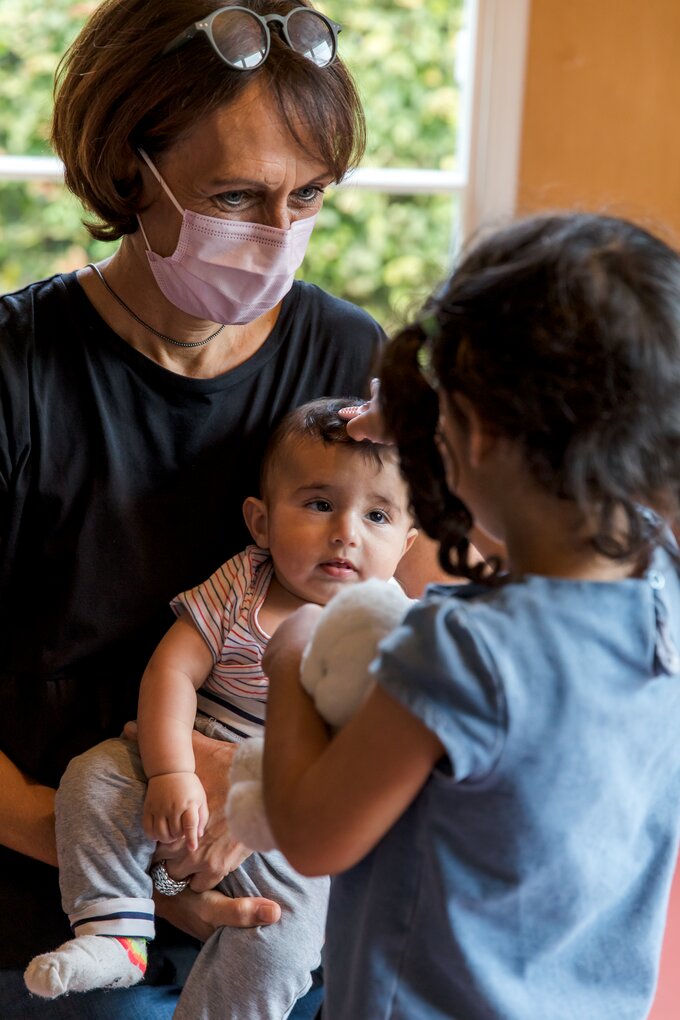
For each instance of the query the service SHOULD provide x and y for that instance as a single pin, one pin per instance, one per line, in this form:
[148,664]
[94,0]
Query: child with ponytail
[501,815]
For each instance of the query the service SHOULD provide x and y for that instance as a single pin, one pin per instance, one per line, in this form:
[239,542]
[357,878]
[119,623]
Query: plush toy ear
[256,516]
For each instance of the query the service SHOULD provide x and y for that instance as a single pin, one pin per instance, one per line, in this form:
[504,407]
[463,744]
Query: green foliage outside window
[383,252]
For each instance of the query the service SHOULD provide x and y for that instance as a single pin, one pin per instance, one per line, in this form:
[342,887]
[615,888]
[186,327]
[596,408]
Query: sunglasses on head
[242,38]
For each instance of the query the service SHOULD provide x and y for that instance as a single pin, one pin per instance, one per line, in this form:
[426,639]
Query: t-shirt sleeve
[439,669]
[210,605]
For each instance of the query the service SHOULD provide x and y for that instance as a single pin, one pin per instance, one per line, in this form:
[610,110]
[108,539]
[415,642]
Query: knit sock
[91,961]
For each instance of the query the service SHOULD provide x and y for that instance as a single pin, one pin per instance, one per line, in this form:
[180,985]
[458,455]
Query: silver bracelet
[164,883]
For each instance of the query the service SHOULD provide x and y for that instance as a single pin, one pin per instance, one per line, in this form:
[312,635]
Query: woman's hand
[218,854]
[175,806]
[365,421]
[200,914]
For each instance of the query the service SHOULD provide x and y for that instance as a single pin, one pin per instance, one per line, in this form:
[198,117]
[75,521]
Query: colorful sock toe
[137,951]
[91,961]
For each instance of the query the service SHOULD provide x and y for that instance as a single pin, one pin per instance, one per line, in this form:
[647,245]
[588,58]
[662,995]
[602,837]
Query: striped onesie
[225,610]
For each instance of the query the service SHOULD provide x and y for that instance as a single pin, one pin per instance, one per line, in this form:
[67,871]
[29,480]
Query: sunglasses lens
[240,38]
[311,37]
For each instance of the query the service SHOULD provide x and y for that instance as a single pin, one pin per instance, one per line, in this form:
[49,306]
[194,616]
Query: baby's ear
[257,519]
[411,536]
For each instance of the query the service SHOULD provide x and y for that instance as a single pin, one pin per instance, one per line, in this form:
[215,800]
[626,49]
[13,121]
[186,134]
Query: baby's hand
[175,806]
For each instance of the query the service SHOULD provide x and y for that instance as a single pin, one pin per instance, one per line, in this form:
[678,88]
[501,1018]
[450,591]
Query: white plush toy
[335,674]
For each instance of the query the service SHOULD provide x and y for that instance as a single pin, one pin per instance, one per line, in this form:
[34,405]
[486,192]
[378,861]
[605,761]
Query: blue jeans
[144,1002]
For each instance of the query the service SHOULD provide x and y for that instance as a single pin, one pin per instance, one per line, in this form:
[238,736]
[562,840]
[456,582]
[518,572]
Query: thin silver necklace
[161,336]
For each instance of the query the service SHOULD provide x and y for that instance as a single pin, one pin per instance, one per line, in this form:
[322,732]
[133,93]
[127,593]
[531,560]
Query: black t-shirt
[121,484]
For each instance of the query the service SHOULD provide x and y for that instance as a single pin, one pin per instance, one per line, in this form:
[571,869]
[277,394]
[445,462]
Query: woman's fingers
[244,912]
[200,914]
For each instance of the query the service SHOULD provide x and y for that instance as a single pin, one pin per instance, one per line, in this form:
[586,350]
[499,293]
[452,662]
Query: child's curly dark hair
[564,333]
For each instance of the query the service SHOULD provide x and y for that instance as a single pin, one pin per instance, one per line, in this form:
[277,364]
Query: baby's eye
[321,505]
[378,517]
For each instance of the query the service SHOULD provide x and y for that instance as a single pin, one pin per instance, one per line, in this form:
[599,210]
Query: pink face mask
[227,270]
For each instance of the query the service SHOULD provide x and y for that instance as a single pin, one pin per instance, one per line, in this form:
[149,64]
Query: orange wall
[601,127]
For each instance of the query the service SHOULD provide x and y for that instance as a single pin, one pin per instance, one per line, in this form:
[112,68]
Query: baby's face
[334,517]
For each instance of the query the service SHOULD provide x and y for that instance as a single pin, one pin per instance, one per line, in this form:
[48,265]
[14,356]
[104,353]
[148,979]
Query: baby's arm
[175,803]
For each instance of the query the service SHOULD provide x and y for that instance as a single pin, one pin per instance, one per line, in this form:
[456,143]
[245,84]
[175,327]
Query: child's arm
[175,803]
[329,801]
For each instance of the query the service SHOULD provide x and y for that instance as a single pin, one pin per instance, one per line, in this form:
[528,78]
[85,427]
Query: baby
[331,512]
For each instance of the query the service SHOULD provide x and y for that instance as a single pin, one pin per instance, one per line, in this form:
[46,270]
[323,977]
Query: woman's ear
[257,519]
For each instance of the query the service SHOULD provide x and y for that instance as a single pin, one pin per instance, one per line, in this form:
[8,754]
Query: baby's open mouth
[338,568]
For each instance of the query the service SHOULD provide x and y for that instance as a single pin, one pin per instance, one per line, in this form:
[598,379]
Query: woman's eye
[232,199]
[309,194]
[322,505]
[378,517]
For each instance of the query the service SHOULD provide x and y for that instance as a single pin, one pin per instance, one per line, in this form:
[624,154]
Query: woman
[136,399]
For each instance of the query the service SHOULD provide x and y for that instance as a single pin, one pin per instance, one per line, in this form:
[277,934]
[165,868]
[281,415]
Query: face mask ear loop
[160,180]
[146,239]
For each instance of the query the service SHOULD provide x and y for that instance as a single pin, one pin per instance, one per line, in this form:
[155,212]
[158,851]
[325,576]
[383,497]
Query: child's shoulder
[521,619]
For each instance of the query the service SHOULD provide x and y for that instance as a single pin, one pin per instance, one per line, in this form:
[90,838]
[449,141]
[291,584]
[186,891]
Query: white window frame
[489,132]
[497,101]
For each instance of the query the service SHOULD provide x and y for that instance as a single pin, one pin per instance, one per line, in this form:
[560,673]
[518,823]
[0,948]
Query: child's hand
[365,420]
[290,639]
[175,806]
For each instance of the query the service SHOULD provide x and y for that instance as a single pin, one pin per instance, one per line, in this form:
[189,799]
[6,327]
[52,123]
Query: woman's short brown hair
[115,92]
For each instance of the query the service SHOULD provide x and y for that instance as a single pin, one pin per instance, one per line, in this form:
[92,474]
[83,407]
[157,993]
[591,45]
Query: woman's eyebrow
[236,182]
[323,178]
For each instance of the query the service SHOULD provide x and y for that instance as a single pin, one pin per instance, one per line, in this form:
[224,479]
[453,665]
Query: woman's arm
[330,801]
[26,814]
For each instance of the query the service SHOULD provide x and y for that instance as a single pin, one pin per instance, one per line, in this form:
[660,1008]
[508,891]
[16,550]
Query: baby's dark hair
[563,331]
[318,419]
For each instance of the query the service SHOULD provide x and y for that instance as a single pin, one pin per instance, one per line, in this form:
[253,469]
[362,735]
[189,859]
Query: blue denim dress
[529,880]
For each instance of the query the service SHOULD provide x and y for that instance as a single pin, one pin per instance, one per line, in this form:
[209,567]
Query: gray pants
[104,858]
